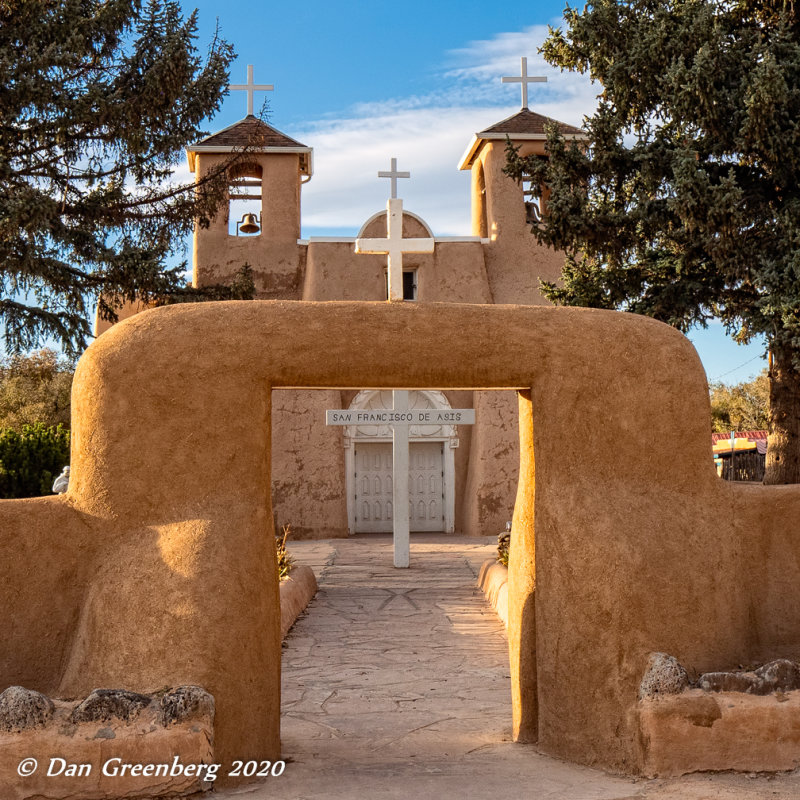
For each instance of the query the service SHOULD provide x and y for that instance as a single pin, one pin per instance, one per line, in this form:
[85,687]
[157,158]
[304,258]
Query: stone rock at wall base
[185,703]
[103,705]
[22,709]
[746,682]
[781,675]
[664,675]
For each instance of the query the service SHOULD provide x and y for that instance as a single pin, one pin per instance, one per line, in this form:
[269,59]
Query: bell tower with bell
[259,222]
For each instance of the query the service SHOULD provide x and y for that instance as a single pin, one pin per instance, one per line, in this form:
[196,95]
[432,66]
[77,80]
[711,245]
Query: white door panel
[373,481]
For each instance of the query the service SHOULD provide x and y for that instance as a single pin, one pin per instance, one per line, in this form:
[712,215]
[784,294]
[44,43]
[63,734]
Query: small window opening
[409,284]
[244,195]
[533,201]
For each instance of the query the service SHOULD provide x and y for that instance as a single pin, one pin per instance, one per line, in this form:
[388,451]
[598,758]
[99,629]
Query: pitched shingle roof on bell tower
[253,134]
[527,121]
[522,126]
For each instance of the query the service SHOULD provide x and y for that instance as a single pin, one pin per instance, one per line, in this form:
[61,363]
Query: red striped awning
[753,436]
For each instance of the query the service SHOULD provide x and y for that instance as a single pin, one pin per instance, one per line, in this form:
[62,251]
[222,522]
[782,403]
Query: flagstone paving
[396,685]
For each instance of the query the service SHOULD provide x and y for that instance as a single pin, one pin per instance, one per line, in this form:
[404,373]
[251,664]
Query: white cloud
[345,189]
[428,134]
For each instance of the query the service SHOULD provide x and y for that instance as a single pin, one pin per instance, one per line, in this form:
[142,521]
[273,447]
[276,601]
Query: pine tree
[684,204]
[99,97]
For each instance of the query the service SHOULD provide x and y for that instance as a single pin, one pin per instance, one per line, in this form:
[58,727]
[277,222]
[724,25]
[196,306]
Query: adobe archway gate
[155,569]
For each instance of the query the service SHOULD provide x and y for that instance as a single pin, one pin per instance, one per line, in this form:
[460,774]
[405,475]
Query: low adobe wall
[158,567]
[296,592]
[695,731]
[493,580]
[111,744]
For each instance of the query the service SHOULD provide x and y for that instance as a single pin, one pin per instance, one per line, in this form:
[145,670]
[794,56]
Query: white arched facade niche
[370,230]
[381,400]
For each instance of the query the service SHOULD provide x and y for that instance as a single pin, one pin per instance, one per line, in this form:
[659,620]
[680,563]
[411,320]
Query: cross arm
[418,245]
[372,246]
[258,87]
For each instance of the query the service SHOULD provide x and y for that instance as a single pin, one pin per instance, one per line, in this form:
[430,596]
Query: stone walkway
[396,685]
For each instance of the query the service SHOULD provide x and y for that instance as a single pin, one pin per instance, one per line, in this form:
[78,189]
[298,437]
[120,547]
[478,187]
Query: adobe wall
[308,475]
[487,500]
[157,567]
[462,461]
[454,272]
[510,241]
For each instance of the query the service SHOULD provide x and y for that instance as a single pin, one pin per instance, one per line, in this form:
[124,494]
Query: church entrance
[373,485]
[431,475]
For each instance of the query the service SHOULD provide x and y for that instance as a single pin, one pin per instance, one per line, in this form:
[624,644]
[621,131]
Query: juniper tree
[98,99]
[684,204]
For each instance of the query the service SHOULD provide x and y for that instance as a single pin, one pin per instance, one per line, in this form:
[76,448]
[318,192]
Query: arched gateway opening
[159,570]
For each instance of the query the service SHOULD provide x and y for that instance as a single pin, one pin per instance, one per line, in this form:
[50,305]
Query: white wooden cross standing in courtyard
[399,417]
[524,79]
[251,88]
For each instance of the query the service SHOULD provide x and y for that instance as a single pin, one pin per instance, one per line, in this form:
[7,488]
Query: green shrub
[31,459]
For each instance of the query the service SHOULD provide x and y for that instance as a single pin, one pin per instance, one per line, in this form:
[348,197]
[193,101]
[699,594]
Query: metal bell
[249,224]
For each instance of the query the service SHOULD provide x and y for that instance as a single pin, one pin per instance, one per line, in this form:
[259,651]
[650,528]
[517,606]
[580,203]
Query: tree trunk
[783,451]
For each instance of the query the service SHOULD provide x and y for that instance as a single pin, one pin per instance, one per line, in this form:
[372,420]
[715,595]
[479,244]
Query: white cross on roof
[394,175]
[525,79]
[251,88]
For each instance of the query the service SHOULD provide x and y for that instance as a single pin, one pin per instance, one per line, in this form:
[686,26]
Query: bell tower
[503,211]
[258,223]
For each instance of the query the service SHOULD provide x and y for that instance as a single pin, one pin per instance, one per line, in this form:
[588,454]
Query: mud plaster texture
[158,566]
[696,731]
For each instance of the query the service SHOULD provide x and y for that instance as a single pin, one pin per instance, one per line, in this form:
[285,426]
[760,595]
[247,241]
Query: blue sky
[364,82]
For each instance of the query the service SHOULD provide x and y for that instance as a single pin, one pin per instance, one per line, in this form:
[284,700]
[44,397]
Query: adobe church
[336,481]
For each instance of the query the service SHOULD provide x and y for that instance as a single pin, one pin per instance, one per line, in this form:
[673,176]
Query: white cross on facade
[394,175]
[251,88]
[525,79]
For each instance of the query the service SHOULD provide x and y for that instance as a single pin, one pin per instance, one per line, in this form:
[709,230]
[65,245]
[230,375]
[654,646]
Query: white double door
[373,482]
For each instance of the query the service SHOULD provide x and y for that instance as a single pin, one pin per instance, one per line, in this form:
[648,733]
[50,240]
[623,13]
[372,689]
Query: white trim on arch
[421,399]
[406,213]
